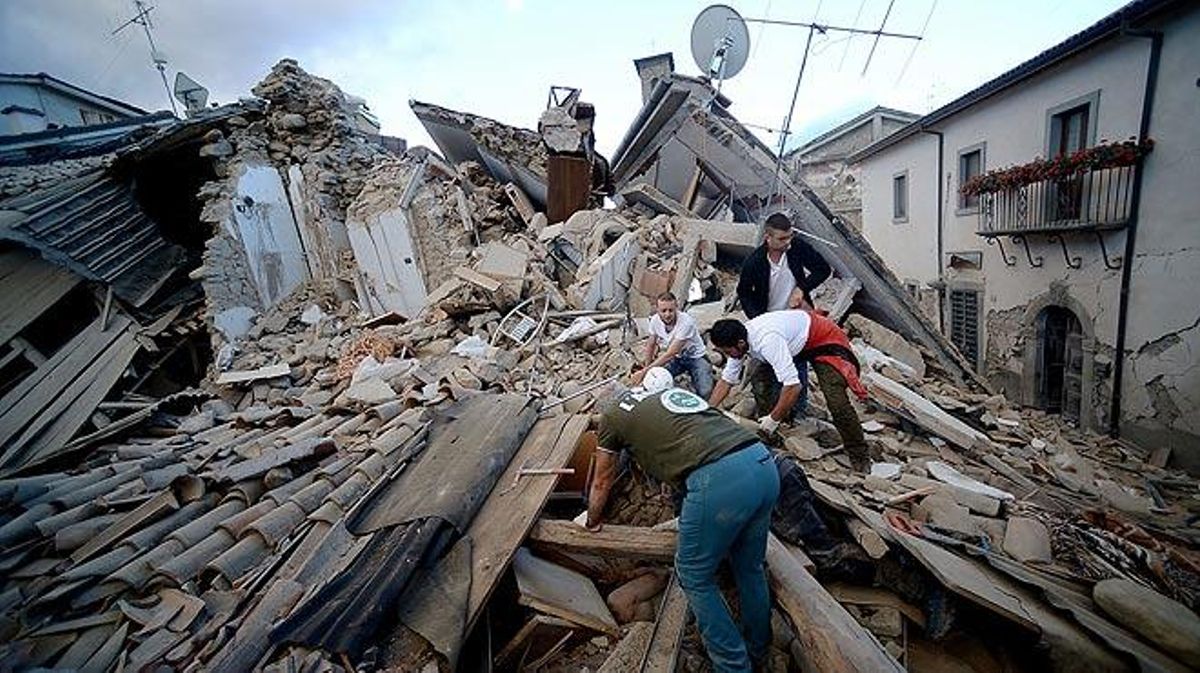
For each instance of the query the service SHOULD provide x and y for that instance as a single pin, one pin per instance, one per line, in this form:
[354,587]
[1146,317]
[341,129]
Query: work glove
[768,425]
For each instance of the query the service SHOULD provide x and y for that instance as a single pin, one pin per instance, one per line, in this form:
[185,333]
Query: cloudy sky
[498,57]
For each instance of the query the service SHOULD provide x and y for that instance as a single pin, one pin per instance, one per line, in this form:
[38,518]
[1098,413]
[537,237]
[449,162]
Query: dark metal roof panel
[94,226]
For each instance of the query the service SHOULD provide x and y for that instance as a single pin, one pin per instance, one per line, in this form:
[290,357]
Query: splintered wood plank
[663,651]
[538,635]
[561,592]
[473,277]
[505,518]
[830,638]
[627,541]
[39,285]
[850,594]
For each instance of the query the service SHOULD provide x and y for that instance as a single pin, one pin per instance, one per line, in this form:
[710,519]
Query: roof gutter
[1135,200]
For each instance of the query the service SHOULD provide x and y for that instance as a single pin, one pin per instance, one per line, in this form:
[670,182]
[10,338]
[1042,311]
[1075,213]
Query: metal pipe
[823,27]
[941,180]
[1114,414]
[582,391]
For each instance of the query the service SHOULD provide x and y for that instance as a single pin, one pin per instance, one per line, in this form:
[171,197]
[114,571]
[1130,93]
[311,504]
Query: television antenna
[813,28]
[142,18]
[720,43]
[189,92]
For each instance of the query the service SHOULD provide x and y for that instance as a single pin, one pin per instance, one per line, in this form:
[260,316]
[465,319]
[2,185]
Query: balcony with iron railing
[1089,191]
[1095,200]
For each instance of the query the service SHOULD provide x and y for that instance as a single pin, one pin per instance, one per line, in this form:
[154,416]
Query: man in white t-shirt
[676,345]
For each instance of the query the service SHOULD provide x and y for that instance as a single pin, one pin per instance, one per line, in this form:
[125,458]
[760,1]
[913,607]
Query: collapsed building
[385,428]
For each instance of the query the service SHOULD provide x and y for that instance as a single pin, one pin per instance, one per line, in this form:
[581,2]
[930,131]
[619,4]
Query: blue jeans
[698,369]
[727,514]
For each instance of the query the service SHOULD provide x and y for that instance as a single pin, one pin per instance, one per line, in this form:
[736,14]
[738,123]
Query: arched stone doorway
[1071,329]
[1058,372]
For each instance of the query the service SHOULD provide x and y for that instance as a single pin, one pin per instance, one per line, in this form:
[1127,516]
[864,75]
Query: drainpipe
[941,179]
[1135,199]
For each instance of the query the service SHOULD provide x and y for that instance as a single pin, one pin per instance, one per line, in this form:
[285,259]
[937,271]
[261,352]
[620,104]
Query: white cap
[657,379]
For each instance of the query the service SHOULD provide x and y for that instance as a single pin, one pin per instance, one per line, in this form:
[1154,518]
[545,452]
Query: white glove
[768,425]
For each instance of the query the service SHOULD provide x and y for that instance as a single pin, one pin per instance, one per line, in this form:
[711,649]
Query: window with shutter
[964,323]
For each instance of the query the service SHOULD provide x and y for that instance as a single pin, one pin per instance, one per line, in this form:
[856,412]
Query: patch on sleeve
[680,401]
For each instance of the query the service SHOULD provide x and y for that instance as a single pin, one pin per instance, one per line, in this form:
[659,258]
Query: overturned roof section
[71,142]
[509,153]
[94,226]
[678,127]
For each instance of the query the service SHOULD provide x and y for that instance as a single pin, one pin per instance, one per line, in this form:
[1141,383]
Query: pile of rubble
[366,488]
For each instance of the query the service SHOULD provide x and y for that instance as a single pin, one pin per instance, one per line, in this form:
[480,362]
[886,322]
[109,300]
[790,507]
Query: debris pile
[381,472]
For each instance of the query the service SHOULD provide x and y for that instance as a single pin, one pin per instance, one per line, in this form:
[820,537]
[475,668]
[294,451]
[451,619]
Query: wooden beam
[507,515]
[626,541]
[475,278]
[663,651]
[830,639]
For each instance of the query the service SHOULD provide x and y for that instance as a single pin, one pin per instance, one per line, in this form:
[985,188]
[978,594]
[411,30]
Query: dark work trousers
[845,418]
[766,388]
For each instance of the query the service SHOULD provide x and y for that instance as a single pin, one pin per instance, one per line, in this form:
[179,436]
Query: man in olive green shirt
[730,484]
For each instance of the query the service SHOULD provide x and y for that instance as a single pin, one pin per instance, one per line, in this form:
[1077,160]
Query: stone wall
[288,168]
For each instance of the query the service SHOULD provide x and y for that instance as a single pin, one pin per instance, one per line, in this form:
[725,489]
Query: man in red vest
[785,341]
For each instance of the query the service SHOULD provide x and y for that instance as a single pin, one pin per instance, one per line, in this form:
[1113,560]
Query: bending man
[731,485]
[785,341]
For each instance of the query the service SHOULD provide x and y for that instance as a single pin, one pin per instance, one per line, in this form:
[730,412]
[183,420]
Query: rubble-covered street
[303,398]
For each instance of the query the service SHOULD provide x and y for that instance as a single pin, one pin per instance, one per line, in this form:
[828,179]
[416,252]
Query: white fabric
[780,285]
[657,379]
[684,330]
[774,338]
[768,425]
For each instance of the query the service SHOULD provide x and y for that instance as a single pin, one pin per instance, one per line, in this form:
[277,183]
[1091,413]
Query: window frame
[963,207]
[1053,135]
[901,218]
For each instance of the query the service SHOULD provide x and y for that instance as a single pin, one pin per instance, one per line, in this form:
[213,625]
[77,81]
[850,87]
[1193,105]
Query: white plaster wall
[59,109]
[263,222]
[1013,124]
[908,248]
[1163,338]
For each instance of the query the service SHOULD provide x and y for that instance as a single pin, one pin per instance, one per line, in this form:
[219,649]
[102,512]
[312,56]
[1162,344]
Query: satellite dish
[720,42]
[189,92]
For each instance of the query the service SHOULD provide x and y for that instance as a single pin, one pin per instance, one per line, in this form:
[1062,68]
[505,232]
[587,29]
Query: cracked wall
[288,167]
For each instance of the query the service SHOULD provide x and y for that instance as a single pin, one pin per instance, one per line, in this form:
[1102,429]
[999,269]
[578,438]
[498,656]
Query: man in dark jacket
[781,273]
[778,276]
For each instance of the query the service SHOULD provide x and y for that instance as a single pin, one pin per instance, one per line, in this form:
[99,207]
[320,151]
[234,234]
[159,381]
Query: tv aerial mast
[721,45]
[142,18]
